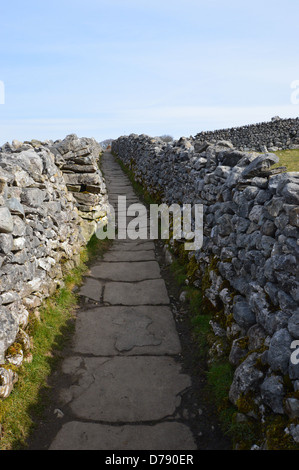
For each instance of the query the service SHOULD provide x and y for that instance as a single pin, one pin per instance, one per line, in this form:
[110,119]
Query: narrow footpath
[122,385]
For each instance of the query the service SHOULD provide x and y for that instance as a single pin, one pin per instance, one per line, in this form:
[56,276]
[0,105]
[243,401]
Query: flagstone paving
[126,271]
[124,382]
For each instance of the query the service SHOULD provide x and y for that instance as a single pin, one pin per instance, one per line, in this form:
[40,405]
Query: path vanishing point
[122,384]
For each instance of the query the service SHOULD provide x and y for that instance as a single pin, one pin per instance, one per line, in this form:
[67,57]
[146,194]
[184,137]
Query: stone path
[125,384]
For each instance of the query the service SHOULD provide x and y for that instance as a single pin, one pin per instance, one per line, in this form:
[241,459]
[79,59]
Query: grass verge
[219,372]
[50,334]
[289,159]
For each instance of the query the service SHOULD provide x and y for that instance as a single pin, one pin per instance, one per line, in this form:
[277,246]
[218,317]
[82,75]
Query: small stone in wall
[242,313]
[293,430]
[292,407]
[7,380]
[272,392]
[246,378]
[6,222]
[279,351]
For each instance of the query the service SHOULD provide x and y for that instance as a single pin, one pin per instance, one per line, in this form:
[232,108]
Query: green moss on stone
[276,437]
[14,349]
[246,403]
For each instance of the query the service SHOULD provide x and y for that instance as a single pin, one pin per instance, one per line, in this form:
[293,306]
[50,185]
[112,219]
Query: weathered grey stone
[82,179]
[234,177]
[15,207]
[263,196]
[285,263]
[243,315]
[33,197]
[261,163]
[87,199]
[294,216]
[291,193]
[266,245]
[8,331]
[292,407]
[260,182]
[237,352]
[274,206]
[7,380]
[273,321]
[256,337]
[293,430]
[230,158]
[272,392]
[256,214]
[19,226]
[268,228]
[246,378]
[286,302]
[281,220]
[9,297]
[6,222]
[6,243]
[280,351]
[293,324]
[19,244]
[251,192]
[73,167]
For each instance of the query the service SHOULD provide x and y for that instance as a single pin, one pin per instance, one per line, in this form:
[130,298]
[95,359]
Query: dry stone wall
[248,265]
[78,161]
[51,196]
[265,136]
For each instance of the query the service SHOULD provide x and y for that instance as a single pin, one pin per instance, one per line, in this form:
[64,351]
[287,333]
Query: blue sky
[105,68]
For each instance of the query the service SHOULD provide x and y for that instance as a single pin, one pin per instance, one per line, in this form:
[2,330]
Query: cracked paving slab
[124,389]
[107,331]
[78,435]
[92,288]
